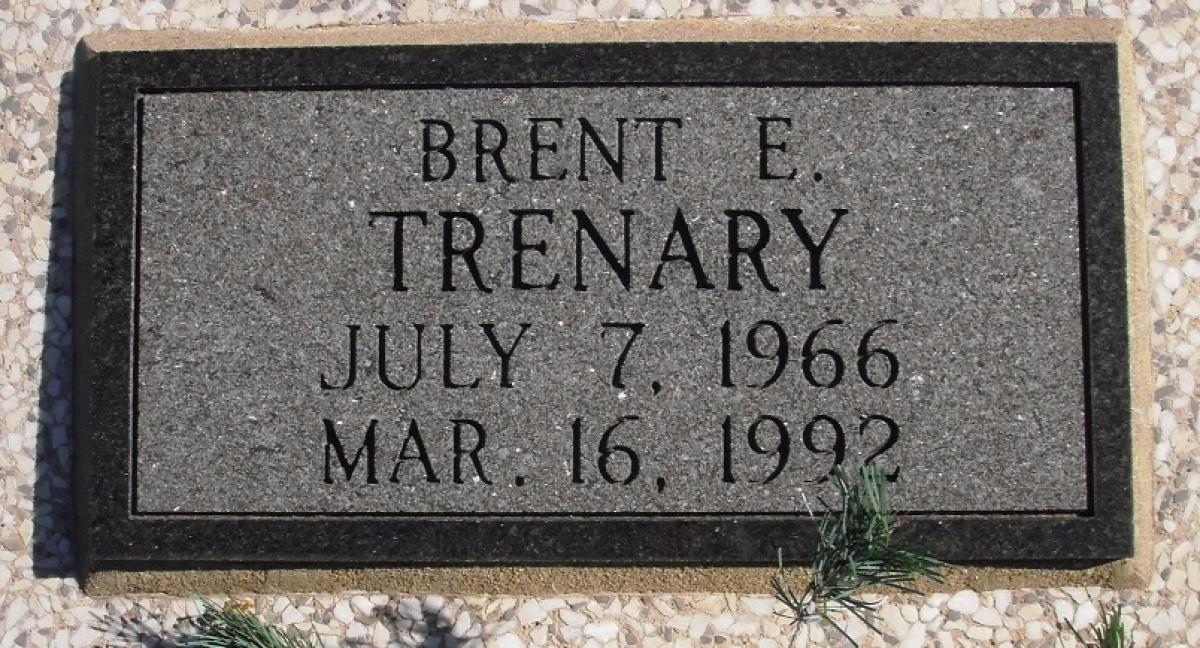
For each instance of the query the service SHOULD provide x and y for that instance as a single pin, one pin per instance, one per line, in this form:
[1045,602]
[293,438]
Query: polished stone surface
[259,248]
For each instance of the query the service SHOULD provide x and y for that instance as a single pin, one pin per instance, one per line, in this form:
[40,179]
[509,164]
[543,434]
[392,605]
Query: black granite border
[107,195]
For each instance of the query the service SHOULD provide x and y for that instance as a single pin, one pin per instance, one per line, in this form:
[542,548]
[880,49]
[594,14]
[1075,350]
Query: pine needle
[855,550]
[233,626]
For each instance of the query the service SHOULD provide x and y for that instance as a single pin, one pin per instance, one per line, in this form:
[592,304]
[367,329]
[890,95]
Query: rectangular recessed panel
[903,288]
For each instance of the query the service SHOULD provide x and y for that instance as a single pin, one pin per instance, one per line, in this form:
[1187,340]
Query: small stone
[86,635]
[343,613]
[1085,615]
[964,602]
[1178,622]
[42,183]
[988,617]
[410,608]
[433,604]
[759,606]
[1161,623]
[356,631]
[602,631]
[108,16]
[17,610]
[891,616]
[291,616]
[8,262]
[914,638]
[743,626]
[462,625]
[1193,568]
[572,618]
[1176,581]
[1030,611]
[1191,268]
[509,640]
[362,605]
[663,605]
[40,228]
[1154,170]
[721,622]
[1172,278]
[530,612]
[979,633]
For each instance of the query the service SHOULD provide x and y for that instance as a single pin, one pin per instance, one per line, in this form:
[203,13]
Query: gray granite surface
[256,254]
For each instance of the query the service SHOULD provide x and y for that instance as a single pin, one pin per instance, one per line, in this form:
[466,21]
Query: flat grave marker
[578,303]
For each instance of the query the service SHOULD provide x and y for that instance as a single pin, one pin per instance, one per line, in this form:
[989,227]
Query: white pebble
[915,637]
[362,605]
[759,606]
[988,617]
[573,618]
[530,612]
[1155,172]
[1191,268]
[8,262]
[108,16]
[602,631]
[343,613]
[1160,624]
[964,602]
[1172,279]
[760,8]
[291,616]
[43,183]
[1085,615]
[509,640]
[1167,422]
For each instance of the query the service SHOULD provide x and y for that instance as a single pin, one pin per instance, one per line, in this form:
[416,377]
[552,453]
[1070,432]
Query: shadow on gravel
[52,550]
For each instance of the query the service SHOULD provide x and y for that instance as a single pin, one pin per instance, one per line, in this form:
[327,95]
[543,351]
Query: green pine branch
[234,626]
[855,551]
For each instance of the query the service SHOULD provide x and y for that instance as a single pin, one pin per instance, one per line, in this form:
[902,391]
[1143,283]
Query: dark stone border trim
[106,194]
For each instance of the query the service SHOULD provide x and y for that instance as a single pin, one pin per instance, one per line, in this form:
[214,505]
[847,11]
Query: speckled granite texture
[987,331]
[40,603]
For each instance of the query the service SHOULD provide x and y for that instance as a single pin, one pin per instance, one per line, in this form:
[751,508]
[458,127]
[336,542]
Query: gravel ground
[37,39]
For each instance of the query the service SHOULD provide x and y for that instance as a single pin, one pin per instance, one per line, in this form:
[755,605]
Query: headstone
[576,303]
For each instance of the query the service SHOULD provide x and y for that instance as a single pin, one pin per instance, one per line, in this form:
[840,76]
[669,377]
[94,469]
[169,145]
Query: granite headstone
[617,303]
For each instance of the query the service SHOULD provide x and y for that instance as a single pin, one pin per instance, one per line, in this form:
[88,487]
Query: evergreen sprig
[855,551]
[1108,632]
[235,626]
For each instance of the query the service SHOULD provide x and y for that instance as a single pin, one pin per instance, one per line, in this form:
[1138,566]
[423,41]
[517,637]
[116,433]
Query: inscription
[545,306]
